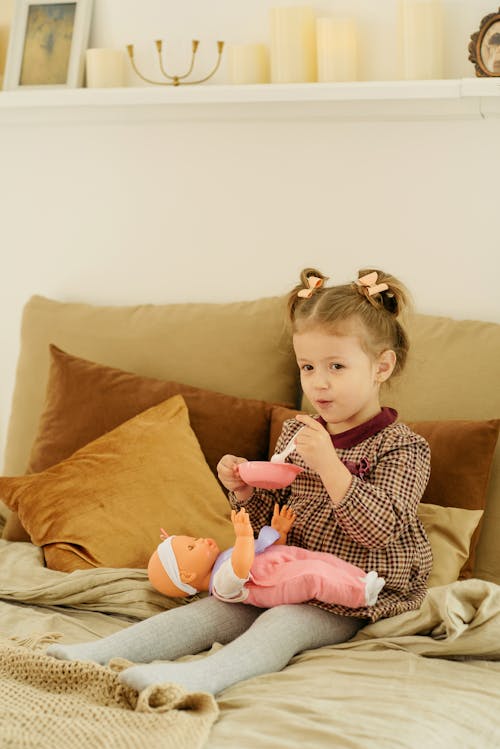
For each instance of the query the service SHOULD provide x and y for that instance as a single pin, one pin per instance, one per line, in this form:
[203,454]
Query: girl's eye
[190,547]
[336,366]
[307,368]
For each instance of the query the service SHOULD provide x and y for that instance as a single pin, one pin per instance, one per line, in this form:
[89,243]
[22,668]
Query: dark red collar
[354,436]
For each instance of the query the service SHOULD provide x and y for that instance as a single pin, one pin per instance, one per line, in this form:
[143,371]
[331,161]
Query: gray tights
[256,642]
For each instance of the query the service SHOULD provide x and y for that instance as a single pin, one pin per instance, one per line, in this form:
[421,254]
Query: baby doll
[263,572]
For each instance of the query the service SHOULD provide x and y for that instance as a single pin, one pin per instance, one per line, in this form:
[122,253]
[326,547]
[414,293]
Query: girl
[357,498]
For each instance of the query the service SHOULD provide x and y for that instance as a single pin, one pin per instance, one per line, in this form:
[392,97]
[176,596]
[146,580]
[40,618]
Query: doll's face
[195,558]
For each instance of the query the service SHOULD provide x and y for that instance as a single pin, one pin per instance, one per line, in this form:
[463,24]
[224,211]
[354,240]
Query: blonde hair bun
[375,300]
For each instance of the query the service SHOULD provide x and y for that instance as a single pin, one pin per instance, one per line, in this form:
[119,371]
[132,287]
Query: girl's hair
[311,304]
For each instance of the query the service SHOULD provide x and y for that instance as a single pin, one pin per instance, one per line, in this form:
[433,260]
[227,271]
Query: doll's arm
[244,548]
[282,522]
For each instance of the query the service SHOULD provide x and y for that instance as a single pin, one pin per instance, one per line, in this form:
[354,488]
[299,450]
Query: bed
[95,387]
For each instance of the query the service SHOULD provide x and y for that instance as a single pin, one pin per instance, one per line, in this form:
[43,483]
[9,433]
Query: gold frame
[482,38]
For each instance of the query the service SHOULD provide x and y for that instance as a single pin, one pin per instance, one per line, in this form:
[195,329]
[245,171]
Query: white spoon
[280,457]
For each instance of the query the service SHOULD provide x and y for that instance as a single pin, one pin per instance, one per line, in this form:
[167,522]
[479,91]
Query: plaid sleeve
[378,507]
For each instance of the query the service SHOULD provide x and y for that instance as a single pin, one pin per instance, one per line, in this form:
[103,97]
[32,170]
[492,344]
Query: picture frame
[484,46]
[47,44]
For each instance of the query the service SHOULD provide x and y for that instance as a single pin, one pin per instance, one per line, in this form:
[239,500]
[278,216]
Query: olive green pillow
[449,530]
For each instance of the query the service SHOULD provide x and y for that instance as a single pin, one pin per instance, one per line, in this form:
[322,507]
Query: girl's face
[339,378]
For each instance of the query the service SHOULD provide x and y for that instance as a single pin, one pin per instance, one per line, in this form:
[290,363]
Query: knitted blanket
[49,703]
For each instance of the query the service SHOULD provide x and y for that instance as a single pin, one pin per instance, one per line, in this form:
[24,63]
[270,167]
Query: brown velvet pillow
[104,506]
[461,459]
[85,400]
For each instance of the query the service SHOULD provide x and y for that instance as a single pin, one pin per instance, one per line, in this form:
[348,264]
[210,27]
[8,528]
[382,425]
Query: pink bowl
[265,475]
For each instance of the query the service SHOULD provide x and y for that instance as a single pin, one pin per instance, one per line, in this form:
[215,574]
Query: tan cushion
[454,373]
[450,531]
[461,459]
[84,400]
[104,506]
[237,348]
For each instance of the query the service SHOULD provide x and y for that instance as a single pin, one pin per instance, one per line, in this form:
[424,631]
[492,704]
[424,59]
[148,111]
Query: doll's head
[181,565]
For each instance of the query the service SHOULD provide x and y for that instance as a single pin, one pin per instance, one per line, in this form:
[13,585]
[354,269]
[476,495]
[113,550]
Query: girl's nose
[320,380]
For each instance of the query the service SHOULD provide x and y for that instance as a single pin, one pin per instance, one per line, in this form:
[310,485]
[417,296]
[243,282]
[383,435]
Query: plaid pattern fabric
[374,527]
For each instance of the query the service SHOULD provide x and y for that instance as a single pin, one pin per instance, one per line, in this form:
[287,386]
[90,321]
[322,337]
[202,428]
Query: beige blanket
[377,690]
[77,604]
[23,577]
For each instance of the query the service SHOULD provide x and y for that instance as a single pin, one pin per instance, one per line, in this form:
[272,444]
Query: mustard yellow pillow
[84,400]
[450,530]
[104,505]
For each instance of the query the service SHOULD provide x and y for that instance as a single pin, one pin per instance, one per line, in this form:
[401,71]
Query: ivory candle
[105,68]
[293,45]
[337,49]
[248,63]
[4,38]
[421,39]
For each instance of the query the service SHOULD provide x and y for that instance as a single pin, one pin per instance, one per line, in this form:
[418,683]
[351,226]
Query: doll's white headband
[169,562]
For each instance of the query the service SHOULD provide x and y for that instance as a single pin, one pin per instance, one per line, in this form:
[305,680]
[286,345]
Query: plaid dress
[375,526]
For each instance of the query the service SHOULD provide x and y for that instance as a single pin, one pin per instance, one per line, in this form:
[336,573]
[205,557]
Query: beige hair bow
[369,282]
[314,283]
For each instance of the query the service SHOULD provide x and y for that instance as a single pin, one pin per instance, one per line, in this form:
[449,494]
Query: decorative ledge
[370,100]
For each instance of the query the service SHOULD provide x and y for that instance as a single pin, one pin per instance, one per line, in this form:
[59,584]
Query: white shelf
[377,100]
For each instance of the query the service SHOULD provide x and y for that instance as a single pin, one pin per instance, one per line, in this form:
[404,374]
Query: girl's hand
[241,523]
[227,471]
[315,445]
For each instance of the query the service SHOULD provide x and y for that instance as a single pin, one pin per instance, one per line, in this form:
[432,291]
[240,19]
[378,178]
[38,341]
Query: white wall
[164,211]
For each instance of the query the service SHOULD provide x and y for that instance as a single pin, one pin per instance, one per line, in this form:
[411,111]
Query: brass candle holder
[176,80]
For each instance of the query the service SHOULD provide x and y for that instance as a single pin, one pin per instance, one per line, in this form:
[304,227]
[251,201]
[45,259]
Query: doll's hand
[314,444]
[241,523]
[243,552]
[227,471]
[282,521]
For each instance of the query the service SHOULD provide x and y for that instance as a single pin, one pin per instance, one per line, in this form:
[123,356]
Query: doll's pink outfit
[289,574]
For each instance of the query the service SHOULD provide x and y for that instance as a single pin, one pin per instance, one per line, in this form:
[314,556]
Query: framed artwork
[484,46]
[47,44]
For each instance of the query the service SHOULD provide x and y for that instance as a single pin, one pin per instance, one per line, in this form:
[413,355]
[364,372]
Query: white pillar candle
[337,49]
[105,68]
[293,45]
[4,38]
[248,63]
[421,39]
